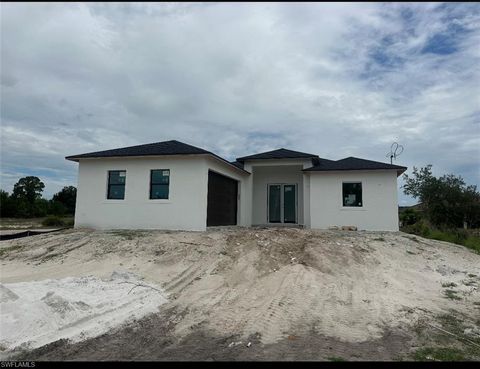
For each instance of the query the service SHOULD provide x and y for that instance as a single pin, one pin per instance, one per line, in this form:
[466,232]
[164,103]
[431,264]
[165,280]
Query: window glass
[116,184]
[159,183]
[352,194]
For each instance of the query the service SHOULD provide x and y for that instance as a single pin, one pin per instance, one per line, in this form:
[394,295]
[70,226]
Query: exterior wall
[319,194]
[185,208]
[379,197]
[271,172]
[306,201]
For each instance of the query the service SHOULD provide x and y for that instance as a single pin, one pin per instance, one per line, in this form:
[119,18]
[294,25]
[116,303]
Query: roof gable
[278,154]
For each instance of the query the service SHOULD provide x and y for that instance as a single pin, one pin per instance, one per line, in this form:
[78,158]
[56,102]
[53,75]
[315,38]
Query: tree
[447,201]
[66,197]
[28,188]
[7,206]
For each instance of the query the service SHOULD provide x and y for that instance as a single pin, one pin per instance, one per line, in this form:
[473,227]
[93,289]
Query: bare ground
[292,294]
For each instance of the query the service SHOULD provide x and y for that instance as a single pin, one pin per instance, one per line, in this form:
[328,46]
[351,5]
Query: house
[172,185]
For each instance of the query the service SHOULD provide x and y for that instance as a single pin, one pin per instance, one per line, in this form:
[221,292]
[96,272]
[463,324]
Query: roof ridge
[290,154]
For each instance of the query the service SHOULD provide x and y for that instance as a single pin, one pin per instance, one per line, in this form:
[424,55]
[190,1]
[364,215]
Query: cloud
[333,79]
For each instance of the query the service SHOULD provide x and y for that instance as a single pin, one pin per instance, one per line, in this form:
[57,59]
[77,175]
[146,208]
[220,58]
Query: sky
[333,79]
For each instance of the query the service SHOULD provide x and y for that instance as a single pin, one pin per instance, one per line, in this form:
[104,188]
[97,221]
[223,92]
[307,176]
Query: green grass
[440,354]
[457,236]
[336,358]
[53,221]
[30,223]
[473,243]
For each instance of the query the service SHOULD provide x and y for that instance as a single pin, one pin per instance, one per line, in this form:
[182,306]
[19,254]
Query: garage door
[222,200]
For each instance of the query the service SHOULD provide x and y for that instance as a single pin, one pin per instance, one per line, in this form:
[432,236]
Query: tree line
[26,200]
[447,202]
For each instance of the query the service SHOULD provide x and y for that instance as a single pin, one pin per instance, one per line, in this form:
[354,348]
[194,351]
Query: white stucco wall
[319,194]
[185,208]
[380,205]
[272,172]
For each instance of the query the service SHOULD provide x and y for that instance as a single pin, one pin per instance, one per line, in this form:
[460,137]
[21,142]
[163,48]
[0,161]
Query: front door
[282,203]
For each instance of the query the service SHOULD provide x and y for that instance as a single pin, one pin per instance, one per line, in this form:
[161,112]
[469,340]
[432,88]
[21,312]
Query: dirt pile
[271,283]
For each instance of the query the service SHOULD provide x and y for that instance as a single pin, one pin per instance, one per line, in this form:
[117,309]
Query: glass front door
[282,203]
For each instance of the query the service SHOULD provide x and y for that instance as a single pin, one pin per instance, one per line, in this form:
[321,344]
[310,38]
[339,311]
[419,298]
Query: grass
[454,346]
[472,242]
[56,221]
[440,354]
[336,358]
[29,223]
[458,236]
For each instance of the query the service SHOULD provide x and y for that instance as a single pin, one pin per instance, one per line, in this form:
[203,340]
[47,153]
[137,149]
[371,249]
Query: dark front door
[222,200]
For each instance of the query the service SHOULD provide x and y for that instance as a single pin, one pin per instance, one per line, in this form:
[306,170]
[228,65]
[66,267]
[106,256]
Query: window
[352,194]
[116,184]
[159,182]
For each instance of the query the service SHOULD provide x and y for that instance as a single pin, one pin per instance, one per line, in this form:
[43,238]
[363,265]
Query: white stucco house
[172,185]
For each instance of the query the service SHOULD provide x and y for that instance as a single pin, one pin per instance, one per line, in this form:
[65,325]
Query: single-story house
[172,185]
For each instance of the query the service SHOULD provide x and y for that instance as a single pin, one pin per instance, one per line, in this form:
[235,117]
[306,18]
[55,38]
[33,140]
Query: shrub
[409,216]
[54,221]
[68,222]
[57,208]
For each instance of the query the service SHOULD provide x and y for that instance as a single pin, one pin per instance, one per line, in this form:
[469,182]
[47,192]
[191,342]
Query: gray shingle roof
[352,163]
[237,164]
[278,154]
[172,147]
[157,148]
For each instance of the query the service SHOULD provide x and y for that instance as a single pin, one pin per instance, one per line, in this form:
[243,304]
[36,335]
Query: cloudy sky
[333,79]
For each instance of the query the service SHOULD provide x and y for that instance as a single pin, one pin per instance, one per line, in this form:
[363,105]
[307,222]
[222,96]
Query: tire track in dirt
[274,319]
[182,280]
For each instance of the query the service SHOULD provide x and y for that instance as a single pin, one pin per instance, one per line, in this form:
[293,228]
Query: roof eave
[313,170]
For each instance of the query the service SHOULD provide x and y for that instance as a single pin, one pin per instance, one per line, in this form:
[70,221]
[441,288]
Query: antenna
[395,150]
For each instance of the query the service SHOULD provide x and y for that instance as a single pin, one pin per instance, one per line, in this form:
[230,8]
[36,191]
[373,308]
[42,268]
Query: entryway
[282,203]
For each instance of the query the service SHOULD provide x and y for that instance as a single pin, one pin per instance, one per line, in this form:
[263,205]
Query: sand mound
[35,313]
[275,283]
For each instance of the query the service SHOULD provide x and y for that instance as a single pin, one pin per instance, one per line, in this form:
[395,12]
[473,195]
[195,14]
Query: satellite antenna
[395,150]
